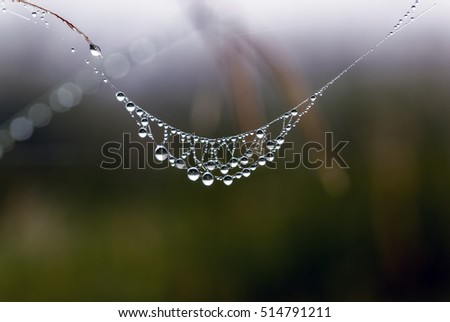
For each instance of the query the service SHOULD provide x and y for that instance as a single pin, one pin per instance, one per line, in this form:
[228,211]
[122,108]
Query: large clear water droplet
[120,96]
[207,179]
[193,174]
[228,180]
[234,162]
[249,153]
[180,164]
[270,145]
[244,160]
[270,157]
[224,169]
[246,173]
[262,161]
[260,134]
[143,132]
[280,139]
[210,165]
[130,107]
[161,153]
[95,50]
[144,121]
[313,98]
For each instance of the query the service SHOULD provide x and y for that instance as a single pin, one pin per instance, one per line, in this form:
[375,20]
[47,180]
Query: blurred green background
[378,231]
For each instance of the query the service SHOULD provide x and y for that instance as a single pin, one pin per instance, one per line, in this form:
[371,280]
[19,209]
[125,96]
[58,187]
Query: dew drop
[139,112]
[313,98]
[270,145]
[207,179]
[248,153]
[4,10]
[280,139]
[143,132]
[95,50]
[224,169]
[120,96]
[253,166]
[72,50]
[144,121]
[180,163]
[270,157]
[238,175]
[210,165]
[262,160]
[294,112]
[161,153]
[193,174]
[228,180]
[34,14]
[234,162]
[260,134]
[87,61]
[246,173]
[130,107]
[244,160]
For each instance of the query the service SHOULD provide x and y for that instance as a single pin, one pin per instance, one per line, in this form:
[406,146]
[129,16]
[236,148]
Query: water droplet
[270,157]
[87,61]
[139,112]
[144,121]
[180,163]
[414,7]
[248,153]
[280,139]
[143,132]
[313,98]
[246,173]
[172,160]
[270,145]
[120,96]
[262,160]
[207,179]
[228,180]
[130,106]
[253,166]
[95,50]
[193,174]
[34,14]
[4,10]
[244,160]
[210,165]
[234,162]
[224,169]
[294,112]
[238,175]
[161,153]
[72,50]
[260,134]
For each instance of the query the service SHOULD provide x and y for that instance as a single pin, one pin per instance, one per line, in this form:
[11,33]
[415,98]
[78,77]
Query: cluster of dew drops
[201,157]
